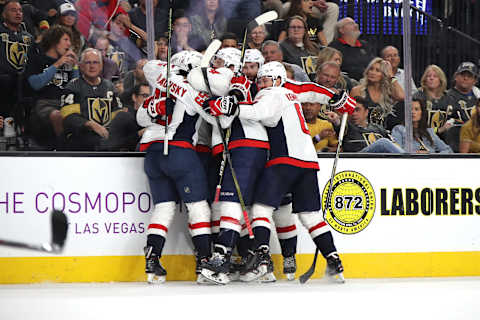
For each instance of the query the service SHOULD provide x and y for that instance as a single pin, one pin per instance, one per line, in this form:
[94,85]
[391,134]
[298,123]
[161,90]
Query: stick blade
[211,50]
[262,19]
[307,275]
[59,228]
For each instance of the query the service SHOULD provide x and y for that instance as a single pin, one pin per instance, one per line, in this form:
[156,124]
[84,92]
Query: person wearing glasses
[48,74]
[297,48]
[90,107]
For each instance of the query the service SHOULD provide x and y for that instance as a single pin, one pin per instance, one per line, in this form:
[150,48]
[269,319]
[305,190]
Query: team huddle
[239,156]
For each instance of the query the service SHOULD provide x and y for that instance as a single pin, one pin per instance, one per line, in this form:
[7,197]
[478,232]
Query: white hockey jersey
[279,110]
[184,123]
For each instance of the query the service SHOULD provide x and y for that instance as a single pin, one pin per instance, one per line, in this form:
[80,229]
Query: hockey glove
[157,107]
[227,105]
[342,103]
[240,87]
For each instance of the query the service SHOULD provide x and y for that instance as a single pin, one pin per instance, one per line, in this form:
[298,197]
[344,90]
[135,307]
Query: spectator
[110,69]
[356,53]
[257,37]
[470,133]
[132,79]
[314,30]
[381,90]
[48,74]
[95,16]
[272,52]
[245,10]
[390,54]
[125,52]
[127,133]
[68,18]
[14,45]
[162,48]
[182,36]
[160,15]
[208,21]
[433,89]
[47,8]
[332,54]
[463,100]
[297,47]
[322,132]
[229,40]
[361,135]
[328,75]
[425,139]
[35,20]
[90,106]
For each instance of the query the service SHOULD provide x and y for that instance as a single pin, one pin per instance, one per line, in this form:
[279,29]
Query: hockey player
[292,166]
[180,175]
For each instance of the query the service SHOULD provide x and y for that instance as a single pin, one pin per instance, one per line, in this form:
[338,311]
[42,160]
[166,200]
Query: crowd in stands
[71,73]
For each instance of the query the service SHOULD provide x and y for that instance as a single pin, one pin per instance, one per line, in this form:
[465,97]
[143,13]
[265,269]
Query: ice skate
[269,276]
[201,279]
[289,267]
[334,270]
[257,266]
[216,269]
[237,264]
[154,270]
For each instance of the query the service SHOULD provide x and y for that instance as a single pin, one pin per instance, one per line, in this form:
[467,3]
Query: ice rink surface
[406,298]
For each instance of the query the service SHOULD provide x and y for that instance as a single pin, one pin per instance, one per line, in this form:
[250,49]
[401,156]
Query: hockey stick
[169,55]
[258,21]
[227,152]
[304,277]
[59,233]
[222,170]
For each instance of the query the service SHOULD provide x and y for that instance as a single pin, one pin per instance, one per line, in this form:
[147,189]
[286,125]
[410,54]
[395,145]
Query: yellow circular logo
[352,202]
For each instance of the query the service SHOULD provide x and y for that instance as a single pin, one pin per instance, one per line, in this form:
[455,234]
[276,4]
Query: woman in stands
[425,139]
[68,18]
[434,90]
[257,37]
[470,132]
[208,21]
[331,54]
[297,47]
[381,90]
[314,29]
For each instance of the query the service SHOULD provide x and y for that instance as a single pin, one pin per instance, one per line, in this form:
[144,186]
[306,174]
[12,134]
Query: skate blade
[234,276]
[336,278]
[154,279]
[267,278]
[290,276]
[254,274]
[217,278]
[201,279]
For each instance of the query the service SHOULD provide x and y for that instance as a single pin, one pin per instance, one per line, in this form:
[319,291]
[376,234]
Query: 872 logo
[352,202]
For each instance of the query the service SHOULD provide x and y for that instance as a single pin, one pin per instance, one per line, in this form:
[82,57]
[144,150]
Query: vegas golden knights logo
[371,137]
[309,64]
[119,59]
[100,110]
[312,32]
[16,52]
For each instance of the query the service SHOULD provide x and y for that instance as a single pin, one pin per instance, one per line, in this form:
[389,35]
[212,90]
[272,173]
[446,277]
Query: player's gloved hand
[227,105]
[342,102]
[240,87]
[155,107]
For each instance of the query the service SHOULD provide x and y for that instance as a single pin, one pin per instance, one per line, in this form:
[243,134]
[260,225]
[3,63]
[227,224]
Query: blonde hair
[386,86]
[440,74]
[326,55]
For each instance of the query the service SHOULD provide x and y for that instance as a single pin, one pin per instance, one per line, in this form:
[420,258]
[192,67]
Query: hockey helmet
[273,70]
[254,55]
[186,60]
[231,57]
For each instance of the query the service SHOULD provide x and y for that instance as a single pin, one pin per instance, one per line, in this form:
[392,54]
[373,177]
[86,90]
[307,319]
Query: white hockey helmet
[254,55]
[186,60]
[230,56]
[273,70]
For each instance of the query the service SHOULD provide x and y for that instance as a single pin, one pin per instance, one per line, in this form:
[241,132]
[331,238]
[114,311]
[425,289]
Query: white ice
[408,298]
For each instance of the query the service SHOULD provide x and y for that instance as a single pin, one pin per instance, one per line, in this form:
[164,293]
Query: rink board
[108,205]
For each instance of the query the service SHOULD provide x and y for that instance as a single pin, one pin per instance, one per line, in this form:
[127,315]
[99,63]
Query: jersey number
[303,123]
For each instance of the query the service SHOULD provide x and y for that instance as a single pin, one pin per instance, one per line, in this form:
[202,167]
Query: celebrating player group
[240,157]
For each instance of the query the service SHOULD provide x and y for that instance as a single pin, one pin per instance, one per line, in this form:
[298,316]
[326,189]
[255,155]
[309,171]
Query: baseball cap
[468,66]
[67,8]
